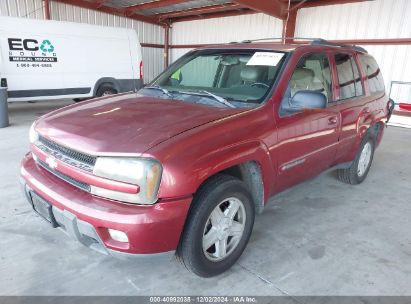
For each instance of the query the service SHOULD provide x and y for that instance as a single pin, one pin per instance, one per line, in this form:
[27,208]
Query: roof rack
[320,41]
[312,41]
[278,38]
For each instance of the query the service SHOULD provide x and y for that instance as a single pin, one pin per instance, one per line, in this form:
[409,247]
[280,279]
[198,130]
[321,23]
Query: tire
[358,171]
[105,90]
[225,193]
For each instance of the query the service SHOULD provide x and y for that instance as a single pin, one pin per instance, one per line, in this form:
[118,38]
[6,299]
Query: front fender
[182,178]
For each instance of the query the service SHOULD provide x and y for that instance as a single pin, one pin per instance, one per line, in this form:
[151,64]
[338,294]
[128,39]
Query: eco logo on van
[46,46]
[29,52]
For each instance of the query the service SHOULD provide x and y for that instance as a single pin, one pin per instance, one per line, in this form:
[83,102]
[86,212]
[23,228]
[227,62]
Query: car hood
[126,124]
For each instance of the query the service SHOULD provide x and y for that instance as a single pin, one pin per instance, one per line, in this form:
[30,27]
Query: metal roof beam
[275,8]
[99,3]
[315,3]
[238,12]
[198,11]
[108,10]
[149,5]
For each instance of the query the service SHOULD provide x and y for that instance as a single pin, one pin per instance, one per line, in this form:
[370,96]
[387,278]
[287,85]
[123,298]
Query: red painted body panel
[150,229]
[194,142]
[128,124]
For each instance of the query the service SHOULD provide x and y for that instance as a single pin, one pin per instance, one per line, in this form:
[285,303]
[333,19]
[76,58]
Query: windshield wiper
[206,93]
[218,98]
[157,87]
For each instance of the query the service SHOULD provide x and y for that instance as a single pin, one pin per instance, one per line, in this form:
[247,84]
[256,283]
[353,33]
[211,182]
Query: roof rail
[320,41]
[312,41]
[278,38]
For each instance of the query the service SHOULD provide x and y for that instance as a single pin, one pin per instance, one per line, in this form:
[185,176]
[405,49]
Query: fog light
[117,235]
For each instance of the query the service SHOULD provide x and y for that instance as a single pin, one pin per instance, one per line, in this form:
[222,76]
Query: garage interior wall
[222,30]
[147,33]
[379,19]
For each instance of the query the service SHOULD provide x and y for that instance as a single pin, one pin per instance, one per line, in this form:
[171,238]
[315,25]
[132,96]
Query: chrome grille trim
[74,158]
[68,179]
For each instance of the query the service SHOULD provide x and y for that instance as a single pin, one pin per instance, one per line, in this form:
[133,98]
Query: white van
[44,59]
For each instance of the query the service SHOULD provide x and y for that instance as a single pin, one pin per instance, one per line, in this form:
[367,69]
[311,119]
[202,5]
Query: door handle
[332,120]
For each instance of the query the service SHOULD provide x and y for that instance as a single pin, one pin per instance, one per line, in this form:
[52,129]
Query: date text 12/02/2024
[203,299]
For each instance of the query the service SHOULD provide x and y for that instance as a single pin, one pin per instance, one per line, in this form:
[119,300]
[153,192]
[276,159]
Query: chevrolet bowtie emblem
[51,162]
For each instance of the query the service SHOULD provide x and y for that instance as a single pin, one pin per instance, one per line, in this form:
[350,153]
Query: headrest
[251,73]
[303,74]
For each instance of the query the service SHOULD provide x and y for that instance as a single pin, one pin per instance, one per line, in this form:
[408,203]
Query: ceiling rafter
[198,11]
[99,3]
[220,14]
[109,10]
[315,3]
[150,5]
[275,8]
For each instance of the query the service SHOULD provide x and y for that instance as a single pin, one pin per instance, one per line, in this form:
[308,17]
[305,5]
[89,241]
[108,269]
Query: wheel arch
[251,164]
[376,130]
[106,80]
[250,173]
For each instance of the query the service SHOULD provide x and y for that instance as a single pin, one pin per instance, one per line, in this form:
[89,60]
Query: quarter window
[373,72]
[349,79]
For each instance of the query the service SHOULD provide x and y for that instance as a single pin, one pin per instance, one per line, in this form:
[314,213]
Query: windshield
[220,78]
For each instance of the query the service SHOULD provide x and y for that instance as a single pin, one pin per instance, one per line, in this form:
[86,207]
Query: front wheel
[358,171]
[218,227]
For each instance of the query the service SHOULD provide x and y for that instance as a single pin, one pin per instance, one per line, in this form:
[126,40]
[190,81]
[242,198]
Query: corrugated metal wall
[148,33]
[365,20]
[222,30]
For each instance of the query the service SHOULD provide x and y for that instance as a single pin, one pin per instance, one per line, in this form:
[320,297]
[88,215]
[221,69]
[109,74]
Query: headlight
[144,172]
[33,135]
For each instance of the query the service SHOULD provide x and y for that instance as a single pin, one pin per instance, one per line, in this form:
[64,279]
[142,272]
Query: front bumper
[151,229]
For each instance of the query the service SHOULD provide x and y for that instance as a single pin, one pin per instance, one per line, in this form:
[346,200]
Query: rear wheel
[218,227]
[358,171]
[105,90]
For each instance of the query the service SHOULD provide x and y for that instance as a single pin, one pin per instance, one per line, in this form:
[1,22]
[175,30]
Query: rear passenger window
[373,72]
[349,78]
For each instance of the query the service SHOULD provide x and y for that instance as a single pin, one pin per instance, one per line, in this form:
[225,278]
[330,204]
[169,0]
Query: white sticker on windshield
[265,58]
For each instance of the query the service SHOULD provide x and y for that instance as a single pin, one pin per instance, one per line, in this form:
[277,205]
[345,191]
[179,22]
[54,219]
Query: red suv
[183,165]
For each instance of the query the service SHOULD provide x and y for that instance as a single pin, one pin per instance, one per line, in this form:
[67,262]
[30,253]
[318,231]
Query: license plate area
[43,208]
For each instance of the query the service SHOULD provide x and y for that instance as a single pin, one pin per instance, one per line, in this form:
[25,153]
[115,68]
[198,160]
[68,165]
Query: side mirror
[308,100]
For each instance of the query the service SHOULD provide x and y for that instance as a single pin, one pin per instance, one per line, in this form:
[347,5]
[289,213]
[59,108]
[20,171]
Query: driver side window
[311,74]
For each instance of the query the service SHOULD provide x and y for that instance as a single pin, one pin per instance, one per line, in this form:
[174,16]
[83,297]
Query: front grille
[68,179]
[75,155]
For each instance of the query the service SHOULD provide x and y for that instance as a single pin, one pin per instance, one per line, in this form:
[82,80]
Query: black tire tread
[349,175]
[185,245]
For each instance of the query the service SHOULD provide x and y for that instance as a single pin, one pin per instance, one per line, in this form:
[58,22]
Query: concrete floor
[322,237]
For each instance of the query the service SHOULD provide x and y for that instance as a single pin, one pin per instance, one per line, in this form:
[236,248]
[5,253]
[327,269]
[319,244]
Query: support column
[46,9]
[166,44]
[4,110]
[289,26]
